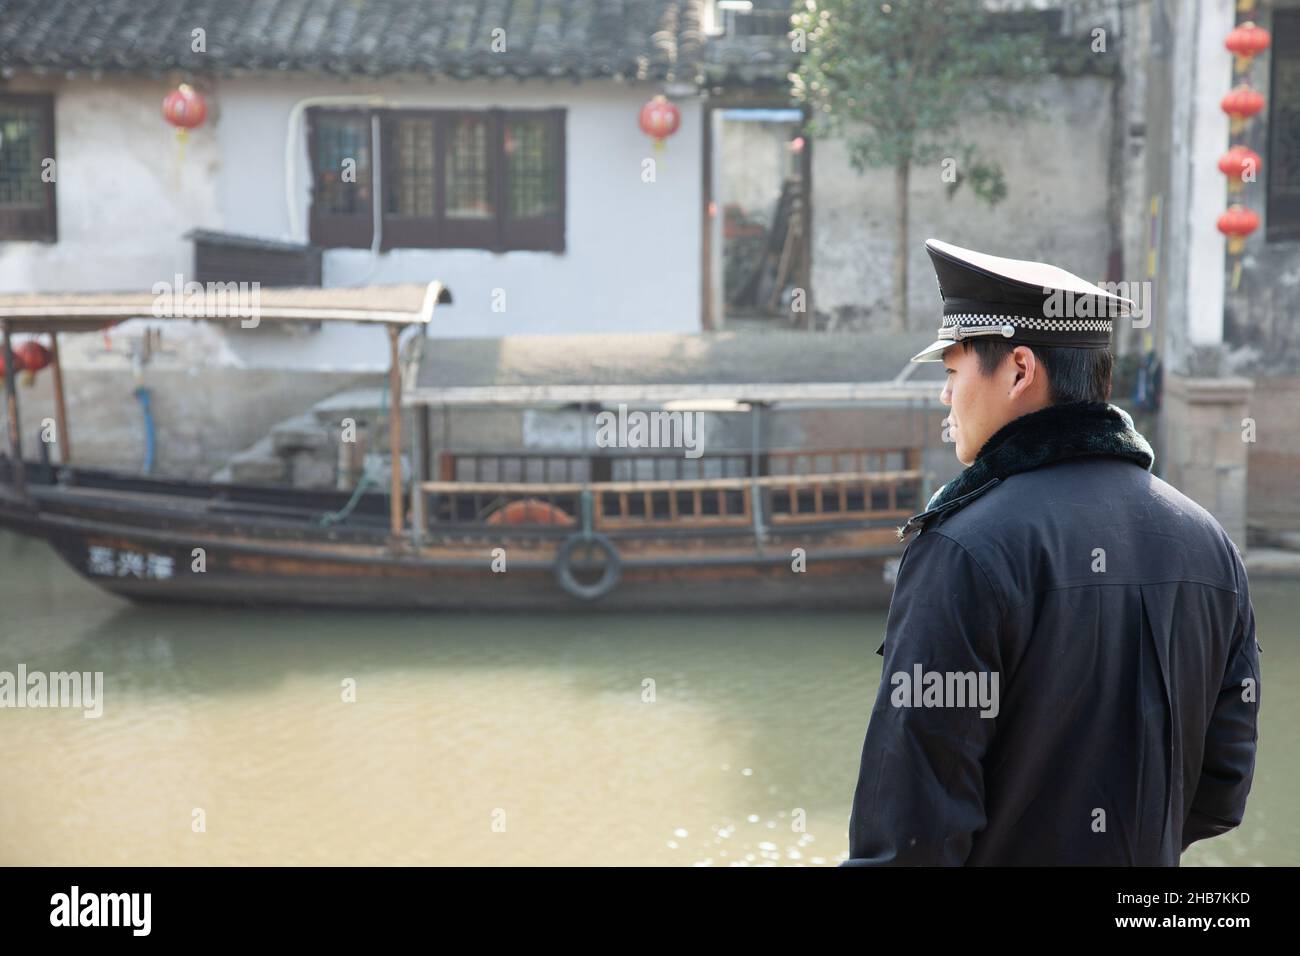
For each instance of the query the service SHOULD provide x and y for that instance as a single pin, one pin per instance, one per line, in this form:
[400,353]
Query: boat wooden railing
[842,460]
[573,466]
[702,503]
[569,466]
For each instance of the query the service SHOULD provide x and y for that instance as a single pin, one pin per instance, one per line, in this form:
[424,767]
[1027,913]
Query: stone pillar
[1204,447]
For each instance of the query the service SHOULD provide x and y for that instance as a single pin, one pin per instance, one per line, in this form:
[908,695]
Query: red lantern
[1247,41]
[185,109]
[1237,163]
[31,357]
[1238,223]
[1241,104]
[659,119]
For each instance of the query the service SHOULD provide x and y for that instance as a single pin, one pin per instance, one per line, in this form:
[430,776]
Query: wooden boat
[787,532]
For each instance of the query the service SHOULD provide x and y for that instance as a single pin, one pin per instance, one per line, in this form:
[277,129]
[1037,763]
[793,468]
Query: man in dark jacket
[1070,673]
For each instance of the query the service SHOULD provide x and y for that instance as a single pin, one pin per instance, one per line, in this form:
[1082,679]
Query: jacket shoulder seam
[1005,607]
[1126,584]
[1002,604]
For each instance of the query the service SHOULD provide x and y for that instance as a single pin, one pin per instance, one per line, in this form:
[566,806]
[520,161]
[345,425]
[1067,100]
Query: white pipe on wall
[297,225]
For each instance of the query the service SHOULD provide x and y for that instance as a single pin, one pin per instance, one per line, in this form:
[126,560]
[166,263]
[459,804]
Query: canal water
[665,739]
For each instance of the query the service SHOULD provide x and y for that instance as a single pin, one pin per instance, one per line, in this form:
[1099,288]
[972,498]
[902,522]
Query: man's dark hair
[1073,375]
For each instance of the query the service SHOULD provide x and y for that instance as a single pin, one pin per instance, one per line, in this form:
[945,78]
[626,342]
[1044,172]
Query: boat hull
[157,554]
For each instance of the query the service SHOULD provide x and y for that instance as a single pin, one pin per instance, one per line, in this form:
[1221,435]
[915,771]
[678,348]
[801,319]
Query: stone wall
[202,416]
[1273,487]
[1204,446]
[1057,168]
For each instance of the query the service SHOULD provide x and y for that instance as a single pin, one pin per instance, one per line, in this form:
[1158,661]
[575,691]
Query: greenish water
[475,739]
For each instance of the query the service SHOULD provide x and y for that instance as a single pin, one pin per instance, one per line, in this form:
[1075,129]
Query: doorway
[757,222]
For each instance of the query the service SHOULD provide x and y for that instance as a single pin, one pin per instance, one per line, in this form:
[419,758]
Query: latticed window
[412,166]
[465,169]
[1283,166]
[27,170]
[341,213]
[530,168]
[487,179]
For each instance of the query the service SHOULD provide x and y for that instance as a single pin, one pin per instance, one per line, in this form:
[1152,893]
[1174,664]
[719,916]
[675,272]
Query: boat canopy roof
[88,311]
[717,367]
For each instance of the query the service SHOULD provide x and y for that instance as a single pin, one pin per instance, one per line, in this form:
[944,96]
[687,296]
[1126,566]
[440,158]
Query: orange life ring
[531,511]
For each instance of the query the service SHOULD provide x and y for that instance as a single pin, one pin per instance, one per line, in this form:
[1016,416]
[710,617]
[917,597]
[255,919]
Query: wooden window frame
[27,225]
[408,232]
[498,234]
[340,230]
[542,233]
[471,233]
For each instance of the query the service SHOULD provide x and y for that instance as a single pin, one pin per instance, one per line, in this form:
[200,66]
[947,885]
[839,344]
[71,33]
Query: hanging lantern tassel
[31,357]
[1237,223]
[185,108]
[1237,164]
[1241,104]
[659,119]
[1246,42]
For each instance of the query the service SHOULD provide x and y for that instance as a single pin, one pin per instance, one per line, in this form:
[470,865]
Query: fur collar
[1051,434]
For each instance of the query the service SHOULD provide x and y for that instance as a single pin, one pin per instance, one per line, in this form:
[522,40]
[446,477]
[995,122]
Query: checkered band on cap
[1029,322]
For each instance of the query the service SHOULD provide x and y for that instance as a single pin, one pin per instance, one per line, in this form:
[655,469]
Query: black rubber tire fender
[564,566]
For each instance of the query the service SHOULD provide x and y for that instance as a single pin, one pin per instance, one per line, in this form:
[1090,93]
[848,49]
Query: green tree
[893,79]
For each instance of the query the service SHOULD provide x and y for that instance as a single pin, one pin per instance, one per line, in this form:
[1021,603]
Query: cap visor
[933,352]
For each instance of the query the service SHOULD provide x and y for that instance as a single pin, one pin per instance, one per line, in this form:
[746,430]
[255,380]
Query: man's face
[981,404]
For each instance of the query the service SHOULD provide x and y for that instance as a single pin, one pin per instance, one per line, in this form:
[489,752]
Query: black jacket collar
[1051,434]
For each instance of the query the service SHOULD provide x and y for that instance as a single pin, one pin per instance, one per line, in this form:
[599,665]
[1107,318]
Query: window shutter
[533,184]
[339,145]
[450,179]
[410,179]
[469,151]
[27,206]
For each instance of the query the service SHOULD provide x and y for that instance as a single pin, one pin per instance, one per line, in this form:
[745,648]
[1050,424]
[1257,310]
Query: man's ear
[1025,371]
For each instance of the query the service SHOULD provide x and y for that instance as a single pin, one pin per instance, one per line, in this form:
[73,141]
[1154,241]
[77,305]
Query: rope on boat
[335,517]
[331,518]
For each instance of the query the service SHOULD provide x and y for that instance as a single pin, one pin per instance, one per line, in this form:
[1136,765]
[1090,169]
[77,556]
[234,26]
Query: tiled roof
[576,39]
